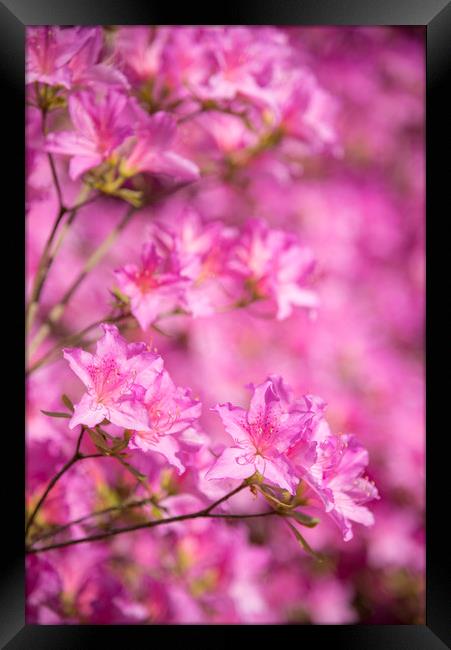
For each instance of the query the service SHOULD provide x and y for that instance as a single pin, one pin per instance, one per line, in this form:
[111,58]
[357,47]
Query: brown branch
[76,457]
[204,513]
[96,513]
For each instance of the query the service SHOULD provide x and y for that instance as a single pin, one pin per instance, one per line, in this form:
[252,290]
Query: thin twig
[41,272]
[136,504]
[52,163]
[205,512]
[48,255]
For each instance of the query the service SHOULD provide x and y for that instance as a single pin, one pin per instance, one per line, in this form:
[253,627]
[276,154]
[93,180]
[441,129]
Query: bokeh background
[360,207]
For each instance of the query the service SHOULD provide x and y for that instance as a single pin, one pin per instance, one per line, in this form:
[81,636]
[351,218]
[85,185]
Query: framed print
[229,427]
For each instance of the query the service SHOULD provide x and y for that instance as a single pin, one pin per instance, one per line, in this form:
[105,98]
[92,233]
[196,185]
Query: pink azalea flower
[287,440]
[43,589]
[302,454]
[99,130]
[171,411]
[329,602]
[152,151]
[311,118]
[343,477]
[332,465]
[273,264]
[49,50]
[154,288]
[261,436]
[304,110]
[86,69]
[396,540]
[202,250]
[244,60]
[116,378]
[187,61]
[141,49]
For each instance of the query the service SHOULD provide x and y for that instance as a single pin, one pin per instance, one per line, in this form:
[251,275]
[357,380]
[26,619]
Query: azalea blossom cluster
[203,268]
[288,441]
[128,386]
[216,218]
[280,439]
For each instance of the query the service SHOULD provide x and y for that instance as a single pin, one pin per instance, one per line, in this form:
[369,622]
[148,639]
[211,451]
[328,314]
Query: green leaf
[56,414]
[99,440]
[67,402]
[305,545]
[139,475]
[105,434]
[304,520]
[272,499]
[121,443]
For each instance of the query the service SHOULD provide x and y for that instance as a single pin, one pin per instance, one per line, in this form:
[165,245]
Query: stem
[55,179]
[97,513]
[205,512]
[77,456]
[52,162]
[57,311]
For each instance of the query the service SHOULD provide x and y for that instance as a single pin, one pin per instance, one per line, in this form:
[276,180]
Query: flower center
[146,281]
[107,379]
[263,433]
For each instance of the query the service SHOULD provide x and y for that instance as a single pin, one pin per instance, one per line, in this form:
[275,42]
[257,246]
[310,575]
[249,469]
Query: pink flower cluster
[287,441]
[244,203]
[211,567]
[128,386]
[280,438]
[201,268]
[230,69]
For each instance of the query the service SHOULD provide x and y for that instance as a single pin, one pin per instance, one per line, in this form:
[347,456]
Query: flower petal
[79,361]
[232,463]
[88,412]
[234,421]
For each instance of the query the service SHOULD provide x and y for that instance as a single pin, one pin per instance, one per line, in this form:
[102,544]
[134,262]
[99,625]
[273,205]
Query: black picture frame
[435,16]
